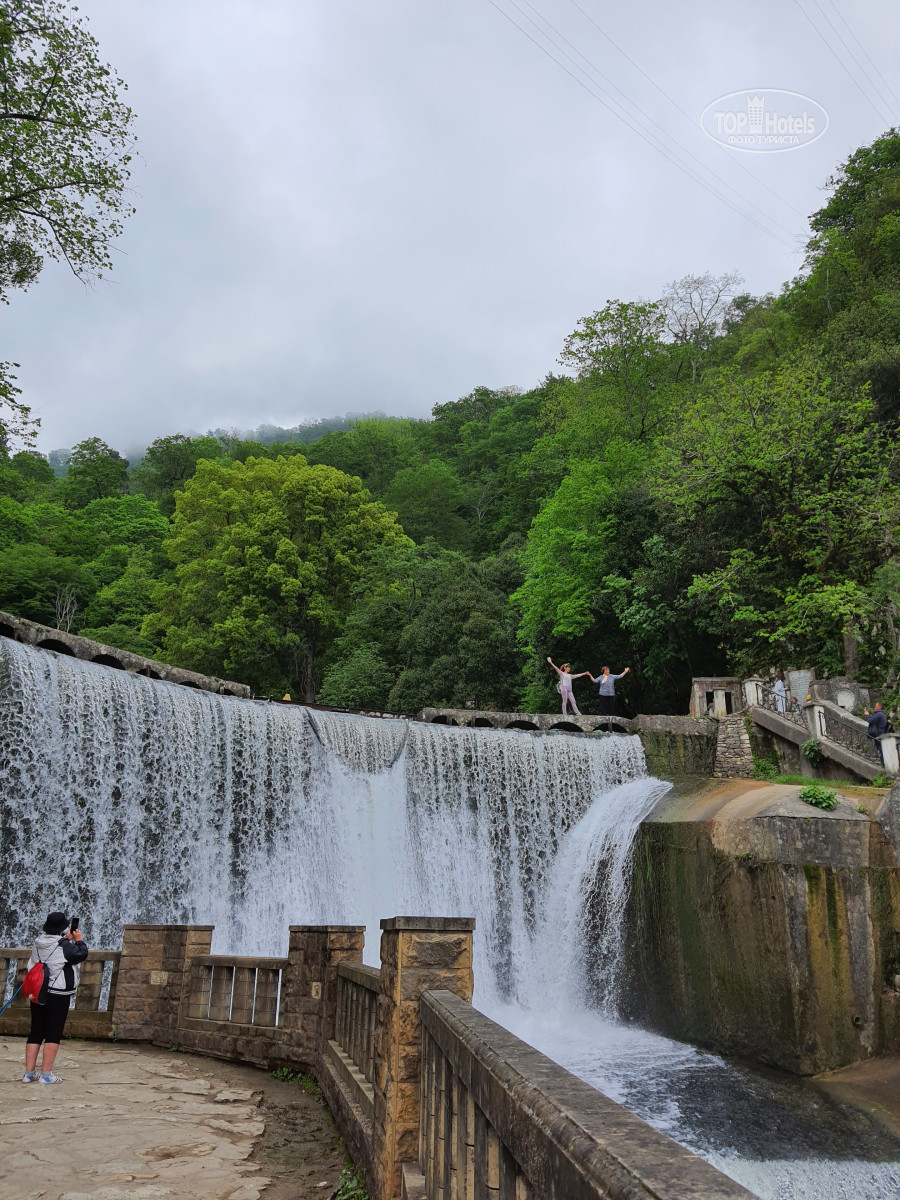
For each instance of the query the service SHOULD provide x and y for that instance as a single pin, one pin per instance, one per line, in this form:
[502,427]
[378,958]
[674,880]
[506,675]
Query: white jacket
[63,958]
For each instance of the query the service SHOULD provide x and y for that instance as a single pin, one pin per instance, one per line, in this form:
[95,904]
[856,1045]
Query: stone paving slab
[137,1123]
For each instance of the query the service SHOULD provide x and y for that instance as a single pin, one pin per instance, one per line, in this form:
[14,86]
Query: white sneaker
[29,1076]
[49,1077]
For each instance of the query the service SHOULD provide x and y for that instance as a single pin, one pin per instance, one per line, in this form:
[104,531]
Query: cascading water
[129,799]
[157,803]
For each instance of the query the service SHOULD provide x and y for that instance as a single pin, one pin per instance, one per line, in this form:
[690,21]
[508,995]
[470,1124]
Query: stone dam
[619,902]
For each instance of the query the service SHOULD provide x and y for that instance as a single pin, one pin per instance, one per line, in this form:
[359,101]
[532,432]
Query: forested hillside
[712,486]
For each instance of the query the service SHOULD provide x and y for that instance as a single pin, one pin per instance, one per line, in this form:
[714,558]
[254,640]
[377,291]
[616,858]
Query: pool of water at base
[782,1137]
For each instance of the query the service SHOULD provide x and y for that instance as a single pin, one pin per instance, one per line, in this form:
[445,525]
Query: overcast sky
[379,204]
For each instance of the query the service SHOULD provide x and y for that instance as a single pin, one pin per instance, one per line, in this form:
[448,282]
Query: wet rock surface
[142,1122]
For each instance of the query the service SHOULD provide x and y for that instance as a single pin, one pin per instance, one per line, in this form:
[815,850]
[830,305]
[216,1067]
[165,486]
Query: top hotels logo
[764,120]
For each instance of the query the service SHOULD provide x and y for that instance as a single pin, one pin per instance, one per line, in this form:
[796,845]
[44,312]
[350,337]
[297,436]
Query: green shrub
[819,796]
[351,1185]
[812,752]
[305,1082]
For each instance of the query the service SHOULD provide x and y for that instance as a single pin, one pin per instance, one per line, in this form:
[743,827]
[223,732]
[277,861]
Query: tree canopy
[712,487]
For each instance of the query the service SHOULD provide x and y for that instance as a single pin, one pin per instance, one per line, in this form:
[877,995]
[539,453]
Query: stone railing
[838,725]
[357,1001]
[433,1100]
[241,991]
[760,695]
[499,1119]
[92,1015]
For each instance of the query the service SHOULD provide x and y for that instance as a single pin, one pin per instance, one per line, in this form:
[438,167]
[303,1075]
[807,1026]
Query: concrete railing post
[309,982]
[418,954]
[815,720]
[890,753]
[154,976]
[753,692]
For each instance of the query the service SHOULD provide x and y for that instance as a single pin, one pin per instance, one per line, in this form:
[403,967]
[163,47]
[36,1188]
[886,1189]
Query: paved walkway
[137,1123]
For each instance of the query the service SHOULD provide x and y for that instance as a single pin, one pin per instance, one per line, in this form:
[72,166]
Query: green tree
[65,142]
[116,613]
[95,471]
[169,463]
[428,500]
[65,149]
[266,555]
[361,679]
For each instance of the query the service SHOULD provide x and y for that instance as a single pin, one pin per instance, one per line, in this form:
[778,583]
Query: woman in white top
[565,684]
[62,951]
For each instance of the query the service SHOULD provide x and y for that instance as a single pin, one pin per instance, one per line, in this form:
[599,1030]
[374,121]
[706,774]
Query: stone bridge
[474,718]
[30,633]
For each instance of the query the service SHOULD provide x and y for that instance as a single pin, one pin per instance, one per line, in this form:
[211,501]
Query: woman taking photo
[62,951]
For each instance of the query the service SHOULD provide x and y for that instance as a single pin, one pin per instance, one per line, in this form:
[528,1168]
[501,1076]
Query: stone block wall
[734,756]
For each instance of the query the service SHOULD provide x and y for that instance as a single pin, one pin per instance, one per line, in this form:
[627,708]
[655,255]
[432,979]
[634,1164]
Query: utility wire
[688,117]
[866,73]
[625,118]
[892,97]
[843,62]
[647,117]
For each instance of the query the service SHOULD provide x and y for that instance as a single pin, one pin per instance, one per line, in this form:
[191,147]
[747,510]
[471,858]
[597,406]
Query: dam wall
[761,927]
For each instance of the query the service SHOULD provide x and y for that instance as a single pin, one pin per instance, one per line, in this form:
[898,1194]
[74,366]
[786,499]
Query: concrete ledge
[566,1137]
[30,633]
[428,924]
[413,1183]
[352,1104]
[351,1079]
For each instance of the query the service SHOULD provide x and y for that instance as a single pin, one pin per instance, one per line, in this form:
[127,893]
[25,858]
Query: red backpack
[36,983]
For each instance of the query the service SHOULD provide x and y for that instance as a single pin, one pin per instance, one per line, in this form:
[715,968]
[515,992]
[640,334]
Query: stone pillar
[815,720]
[309,983]
[753,692]
[890,753]
[418,954]
[154,977]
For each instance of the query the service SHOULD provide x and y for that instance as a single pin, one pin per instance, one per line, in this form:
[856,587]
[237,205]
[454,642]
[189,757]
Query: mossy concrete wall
[762,927]
[678,746]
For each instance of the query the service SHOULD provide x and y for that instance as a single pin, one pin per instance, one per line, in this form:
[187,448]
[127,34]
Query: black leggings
[48,1020]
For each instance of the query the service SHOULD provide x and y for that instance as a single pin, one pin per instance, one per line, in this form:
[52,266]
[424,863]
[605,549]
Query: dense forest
[711,486]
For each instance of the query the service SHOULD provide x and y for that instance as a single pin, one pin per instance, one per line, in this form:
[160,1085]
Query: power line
[688,117]
[843,62]
[850,52]
[888,92]
[610,104]
[680,145]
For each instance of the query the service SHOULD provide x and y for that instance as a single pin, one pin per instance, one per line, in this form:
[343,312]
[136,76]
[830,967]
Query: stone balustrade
[432,1098]
[94,1004]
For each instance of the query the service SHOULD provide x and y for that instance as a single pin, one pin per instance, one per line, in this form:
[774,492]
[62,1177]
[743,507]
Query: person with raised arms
[606,693]
[565,684]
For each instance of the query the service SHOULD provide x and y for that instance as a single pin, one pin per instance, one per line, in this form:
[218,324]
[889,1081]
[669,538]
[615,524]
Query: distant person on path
[565,684]
[62,951]
[780,693]
[607,690]
[877,722]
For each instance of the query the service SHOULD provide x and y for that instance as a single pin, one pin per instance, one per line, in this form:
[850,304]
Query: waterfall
[128,799]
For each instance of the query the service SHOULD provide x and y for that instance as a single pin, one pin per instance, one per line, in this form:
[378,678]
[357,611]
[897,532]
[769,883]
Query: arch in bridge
[149,673]
[187,683]
[108,660]
[567,727]
[224,692]
[529,725]
[7,631]
[621,723]
[482,723]
[59,647]
[442,720]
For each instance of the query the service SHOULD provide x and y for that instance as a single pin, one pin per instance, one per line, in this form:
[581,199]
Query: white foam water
[129,799]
